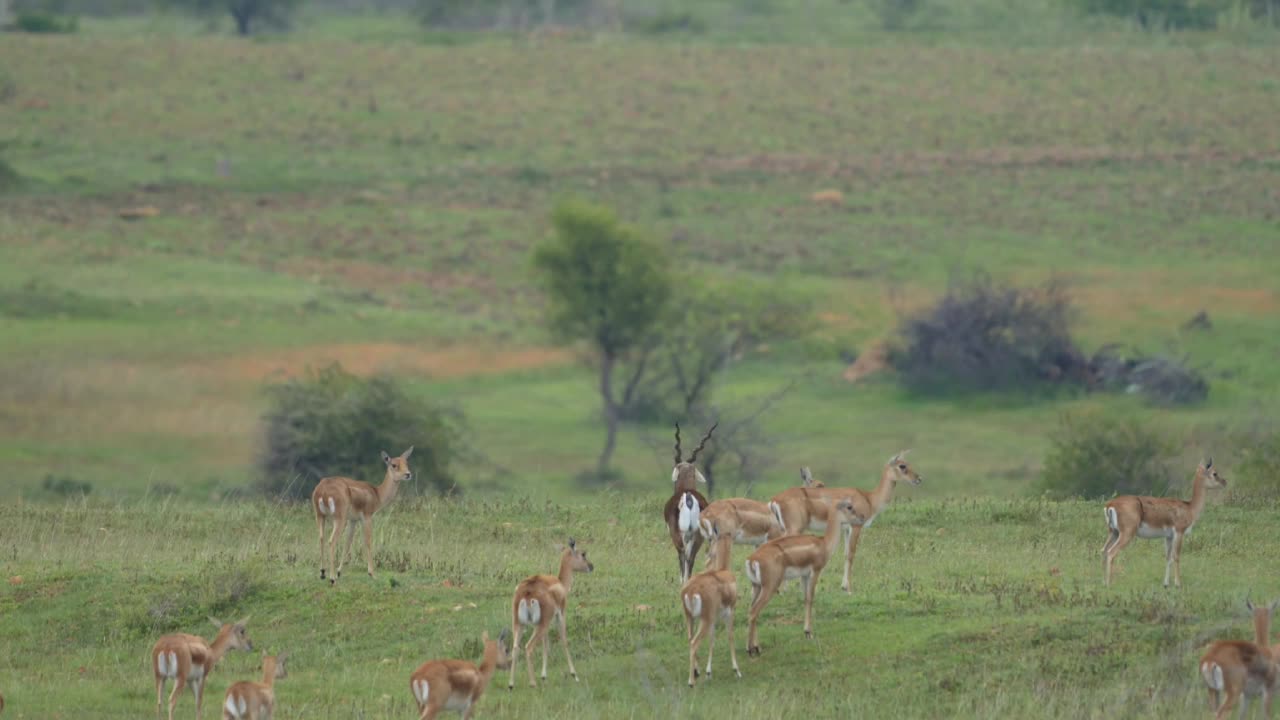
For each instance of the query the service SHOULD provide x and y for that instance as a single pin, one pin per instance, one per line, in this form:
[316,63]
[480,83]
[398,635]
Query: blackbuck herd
[1233,670]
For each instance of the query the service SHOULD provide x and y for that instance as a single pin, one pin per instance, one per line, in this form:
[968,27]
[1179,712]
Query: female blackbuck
[682,512]
[538,600]
[805,508]
[1150,517]
[188,660]
[736,520]
[458,684]
[709,596]
[256,700]
[1241,670]
[794,557]
[343,500]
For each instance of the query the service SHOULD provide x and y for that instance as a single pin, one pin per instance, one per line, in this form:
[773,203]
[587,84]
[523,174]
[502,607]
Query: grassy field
[329,200]
[961,608]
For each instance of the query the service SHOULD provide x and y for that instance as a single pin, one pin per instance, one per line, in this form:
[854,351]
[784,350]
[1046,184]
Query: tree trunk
[607,363]
[242,17]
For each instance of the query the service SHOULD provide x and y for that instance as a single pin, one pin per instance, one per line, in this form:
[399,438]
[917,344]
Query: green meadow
[198,215]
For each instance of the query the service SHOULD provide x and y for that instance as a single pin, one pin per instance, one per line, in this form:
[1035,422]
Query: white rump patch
[421,690]
[705,526]
[166,664]
[326,509]
[236,706]
[753,571]
[1113,521]
[1212,674]
[776,509]
[690,514]
[529,612]
[693,603]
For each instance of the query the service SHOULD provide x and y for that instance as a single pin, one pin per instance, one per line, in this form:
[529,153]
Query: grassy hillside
[332,200]
[961,608]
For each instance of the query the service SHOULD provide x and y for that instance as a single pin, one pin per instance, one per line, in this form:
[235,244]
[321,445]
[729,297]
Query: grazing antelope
[1150,517]
[188,659]
[805,508]
[538,600]
[337,498]
[1241,669]
[458,684]
[794,557]
[682,512]
[256,700]
[736,520]
[709,596]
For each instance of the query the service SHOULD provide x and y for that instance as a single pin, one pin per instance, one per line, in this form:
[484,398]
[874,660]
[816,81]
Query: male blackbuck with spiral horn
[683,511]
[343,500]
[256,700]
[1240,670]
[538,600]
[1130,516]
[188,660]
[794,557]
[805,508]
[458,684]
[710,596]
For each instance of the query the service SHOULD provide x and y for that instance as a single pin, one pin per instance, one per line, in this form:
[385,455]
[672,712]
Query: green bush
[1160,14]
[65,486]
[331,422]
[1097,455]
[1258,468]
[669,21]
[43,23]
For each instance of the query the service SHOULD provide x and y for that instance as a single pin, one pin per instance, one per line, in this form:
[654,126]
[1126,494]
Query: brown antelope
[337,498]
[458,684]
[736,521]
[1150,517]
[805,508]
[256,700]
[1241,669]
[709,596]
[188,659]
[538,600]
[682,512]
[794,557]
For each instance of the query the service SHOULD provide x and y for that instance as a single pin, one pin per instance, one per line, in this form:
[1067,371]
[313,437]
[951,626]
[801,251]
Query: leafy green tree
[247,14]
[607,285]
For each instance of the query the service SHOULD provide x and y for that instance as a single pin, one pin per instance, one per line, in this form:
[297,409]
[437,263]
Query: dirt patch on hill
[370,358]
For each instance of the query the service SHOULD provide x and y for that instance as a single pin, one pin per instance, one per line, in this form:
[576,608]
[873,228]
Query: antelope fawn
[256,700]
[1241,670]
[805,508]
[1130,516]
[458,684]
[683,509]
[709,596]
[537,601]
[188,659]
[335,498]
[794,557]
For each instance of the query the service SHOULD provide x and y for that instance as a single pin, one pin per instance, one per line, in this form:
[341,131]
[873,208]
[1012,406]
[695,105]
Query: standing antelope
[709,596]
[682,512]
[1151,517]
[256,700]
[736,520]
[1242,669]
[458,684]
[805,508]
[791,557]
[338,497]
[188,659]
[538,600]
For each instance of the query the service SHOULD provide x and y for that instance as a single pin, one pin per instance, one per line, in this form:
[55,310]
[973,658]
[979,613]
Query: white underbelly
[1148,532]
[745,538]
[792,573]
[458,702]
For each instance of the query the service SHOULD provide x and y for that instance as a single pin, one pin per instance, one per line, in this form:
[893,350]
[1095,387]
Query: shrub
[984,336]
[65,486]
[669,21]
[1099,455]
[1259,464]
[1160,14]
[1160,380]
[331,422]
[43,23]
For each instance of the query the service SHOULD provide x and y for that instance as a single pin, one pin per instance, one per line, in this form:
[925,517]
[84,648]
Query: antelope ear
[245,621]
[282,657]
[1249,604]
[1208,463]
[572,543]
[484,636]
[385,456]
[216,622]
[405,455]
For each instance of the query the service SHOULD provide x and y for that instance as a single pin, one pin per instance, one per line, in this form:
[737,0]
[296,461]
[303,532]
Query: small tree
[246,13]
[607,285]
[1098,455]
[331,422]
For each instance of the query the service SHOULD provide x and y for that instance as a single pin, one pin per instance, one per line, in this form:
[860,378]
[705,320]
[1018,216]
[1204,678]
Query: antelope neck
[884,491]
[1198,490]
[566,570]
[218,647]
[387,490]
[269,671]
[1261,628]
